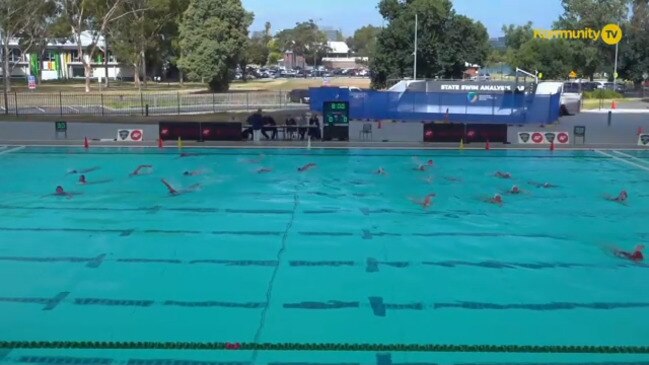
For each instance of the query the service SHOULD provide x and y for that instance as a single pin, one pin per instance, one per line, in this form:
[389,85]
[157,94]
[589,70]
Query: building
[292,61]
[338,56]
[61,60]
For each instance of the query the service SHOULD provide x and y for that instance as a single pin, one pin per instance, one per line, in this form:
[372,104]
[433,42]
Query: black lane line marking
[327,234]
[486,234]
[236,262]
[49,303]
[323,211]
[113,302]
[322,263]
[251,211]
[249,305]
[64,360]
[331,304]
[122,232]
[150,261]
[183,362]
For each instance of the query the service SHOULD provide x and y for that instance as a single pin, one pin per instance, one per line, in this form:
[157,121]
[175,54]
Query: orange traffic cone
[160,145]
[552,146]
[85,142]
[614,104]
[487,146]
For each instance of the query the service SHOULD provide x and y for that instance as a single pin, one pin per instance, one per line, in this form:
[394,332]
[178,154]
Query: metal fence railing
[142,104]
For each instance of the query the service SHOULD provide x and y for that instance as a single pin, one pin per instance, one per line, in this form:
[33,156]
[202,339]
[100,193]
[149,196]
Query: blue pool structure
[335,254]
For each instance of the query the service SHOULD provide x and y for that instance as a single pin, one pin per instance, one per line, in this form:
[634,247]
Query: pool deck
[170,145]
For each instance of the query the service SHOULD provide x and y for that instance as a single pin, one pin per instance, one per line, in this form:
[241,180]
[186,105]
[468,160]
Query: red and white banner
[130,135]
[643,140]
[543,137]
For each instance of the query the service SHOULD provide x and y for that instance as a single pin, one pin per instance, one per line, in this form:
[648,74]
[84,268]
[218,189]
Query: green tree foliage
[213,35]
[27,19]
[446,41]
[304,39]
[516,35]
[592,56]
[364,40]
[553,58]
[141,31]
[634,50]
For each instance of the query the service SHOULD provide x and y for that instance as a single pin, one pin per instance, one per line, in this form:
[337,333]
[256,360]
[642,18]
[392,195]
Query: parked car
[299,96]
[618,87]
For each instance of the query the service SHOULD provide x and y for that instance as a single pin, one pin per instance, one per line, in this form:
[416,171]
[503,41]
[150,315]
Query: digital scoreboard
[336,112]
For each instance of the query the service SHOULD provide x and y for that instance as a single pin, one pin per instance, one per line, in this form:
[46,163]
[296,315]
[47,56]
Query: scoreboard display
[336,112]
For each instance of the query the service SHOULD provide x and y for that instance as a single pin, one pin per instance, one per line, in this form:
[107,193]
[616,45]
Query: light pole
[414,72]
[615,68]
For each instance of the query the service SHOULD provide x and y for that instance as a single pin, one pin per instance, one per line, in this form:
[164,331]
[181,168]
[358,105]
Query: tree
[554,58]
[19,18]
[139,32]
[364,40]
[516,35]
[213,34]
[304,39]
[446,41]
[89,18]
[634,54]
[274,52]
[592,57]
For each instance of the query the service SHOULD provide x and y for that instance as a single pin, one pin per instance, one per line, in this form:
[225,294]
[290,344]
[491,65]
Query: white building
[338,56]
[61,61]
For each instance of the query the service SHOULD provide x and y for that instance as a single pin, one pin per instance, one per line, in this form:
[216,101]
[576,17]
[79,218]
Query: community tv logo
[611,34]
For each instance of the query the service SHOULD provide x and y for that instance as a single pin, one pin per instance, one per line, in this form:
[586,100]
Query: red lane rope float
[338,347]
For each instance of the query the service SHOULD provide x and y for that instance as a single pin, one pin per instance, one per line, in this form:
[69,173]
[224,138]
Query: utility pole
[615,68]
[414,73]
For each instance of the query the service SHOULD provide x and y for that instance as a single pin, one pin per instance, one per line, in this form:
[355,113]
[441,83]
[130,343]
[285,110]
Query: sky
[349,15]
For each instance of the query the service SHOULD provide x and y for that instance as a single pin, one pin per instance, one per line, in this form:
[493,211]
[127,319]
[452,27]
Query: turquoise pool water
[335,254]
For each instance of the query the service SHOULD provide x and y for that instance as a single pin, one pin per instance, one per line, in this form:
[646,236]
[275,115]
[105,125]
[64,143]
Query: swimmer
[139,169]
[426,202]
[514,190]
[306,167]
[497,199]
[503,175]
[621,198]
[544,185]
[264,170]
[175,192]
[381,171]
[431,163]
[635,256]
[83,171]
[82,179]
[61,192]
[194,172]
[420,166]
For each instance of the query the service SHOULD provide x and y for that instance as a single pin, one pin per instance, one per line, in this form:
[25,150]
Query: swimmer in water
[175,192]
[420,166]
[264,170]
[635,256]
[544,185]
[621,198]
[82,179]
[426,202]
[61,192]
[306,167]
[186,154]
[503,175]
[139,169]
[497,199]
[515,190]
[381,171]
[83,171]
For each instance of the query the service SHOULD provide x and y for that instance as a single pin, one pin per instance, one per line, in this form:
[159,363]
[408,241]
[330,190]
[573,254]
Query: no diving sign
[130,135]
[643,140]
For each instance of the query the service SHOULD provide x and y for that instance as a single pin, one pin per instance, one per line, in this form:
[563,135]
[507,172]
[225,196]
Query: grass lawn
[591,104]
[120,87]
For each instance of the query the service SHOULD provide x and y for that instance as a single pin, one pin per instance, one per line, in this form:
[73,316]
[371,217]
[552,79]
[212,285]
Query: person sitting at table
[290,126]
[314,123]
[271,127]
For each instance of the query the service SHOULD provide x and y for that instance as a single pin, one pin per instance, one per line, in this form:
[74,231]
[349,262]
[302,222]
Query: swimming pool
[336,254]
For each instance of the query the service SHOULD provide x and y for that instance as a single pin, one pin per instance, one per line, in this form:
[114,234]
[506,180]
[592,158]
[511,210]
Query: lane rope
[323,347]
